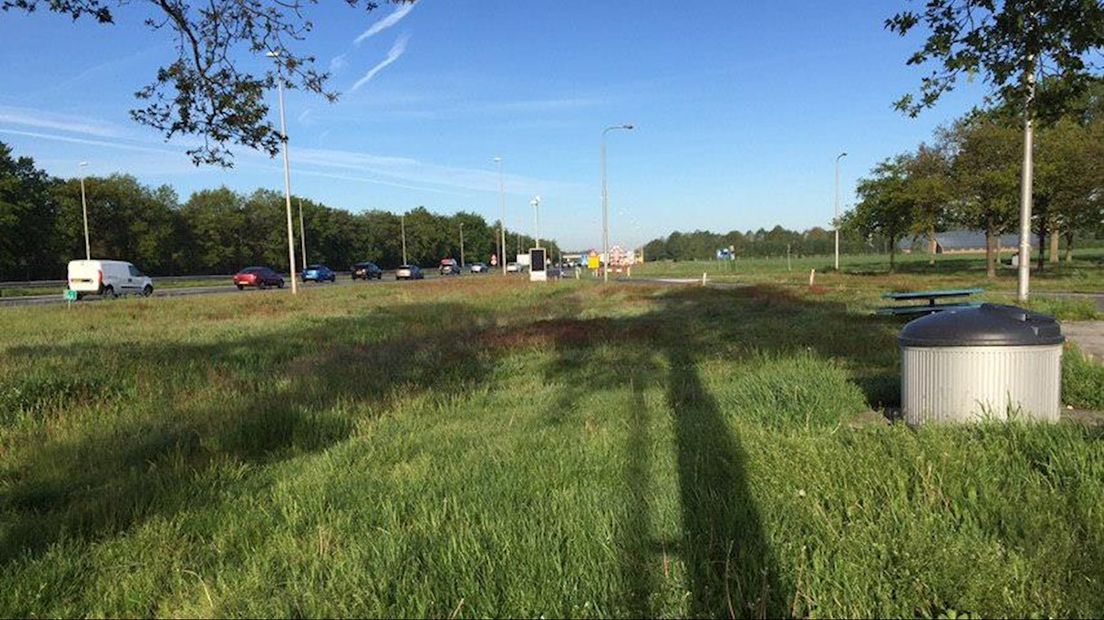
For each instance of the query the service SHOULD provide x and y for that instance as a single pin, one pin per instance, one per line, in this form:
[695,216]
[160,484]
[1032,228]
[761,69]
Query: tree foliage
[215,231]
[206,91]
[887,204]
[1003,40]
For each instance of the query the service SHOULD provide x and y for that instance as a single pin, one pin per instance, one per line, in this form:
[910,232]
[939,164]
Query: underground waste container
[986,362]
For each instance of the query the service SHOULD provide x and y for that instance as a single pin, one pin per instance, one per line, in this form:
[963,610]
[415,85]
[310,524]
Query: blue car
[319,273]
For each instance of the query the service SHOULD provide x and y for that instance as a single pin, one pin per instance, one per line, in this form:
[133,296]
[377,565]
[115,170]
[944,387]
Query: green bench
[931,297]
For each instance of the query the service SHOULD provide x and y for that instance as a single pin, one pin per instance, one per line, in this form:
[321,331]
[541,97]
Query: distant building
[957,242]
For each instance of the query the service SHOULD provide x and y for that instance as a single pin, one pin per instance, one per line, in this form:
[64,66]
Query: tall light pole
[605,201]
[302,235]
[536,218]
[287,173]
[502,222]
[1026,178]
[835,223]
[402,224]
[84,208]
[461,245]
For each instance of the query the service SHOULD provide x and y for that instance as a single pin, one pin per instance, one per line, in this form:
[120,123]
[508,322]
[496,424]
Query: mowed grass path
[487,447]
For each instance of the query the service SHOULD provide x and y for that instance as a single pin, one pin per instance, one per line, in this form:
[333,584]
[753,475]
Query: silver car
[409,272]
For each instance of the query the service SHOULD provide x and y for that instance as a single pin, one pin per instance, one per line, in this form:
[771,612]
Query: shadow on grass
[293,401]
[732,569]
[298,383]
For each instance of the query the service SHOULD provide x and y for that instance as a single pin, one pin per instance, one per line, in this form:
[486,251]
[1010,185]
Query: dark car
[409,272]
[366,271]
[259,277]
[319,273]
[449,267]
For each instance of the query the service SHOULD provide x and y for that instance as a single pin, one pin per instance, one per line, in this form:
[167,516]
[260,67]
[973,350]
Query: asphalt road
[220,289]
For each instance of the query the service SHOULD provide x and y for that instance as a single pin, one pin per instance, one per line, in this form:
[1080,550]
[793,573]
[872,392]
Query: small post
[789,267]
[812,277]
[703,278]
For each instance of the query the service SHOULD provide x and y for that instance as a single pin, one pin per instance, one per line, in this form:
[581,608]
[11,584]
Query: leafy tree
[985,177]
[886,205]
[216,223]
[1006,41]
[1070,179]
[125,220]
[28,219]
[205,91]
[1011,43]
[929,189]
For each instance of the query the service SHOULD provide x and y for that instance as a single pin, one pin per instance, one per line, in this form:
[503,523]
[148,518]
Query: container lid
[989,325]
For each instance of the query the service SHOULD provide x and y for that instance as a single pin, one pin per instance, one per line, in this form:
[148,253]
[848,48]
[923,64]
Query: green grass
[481,447]
[1084,274]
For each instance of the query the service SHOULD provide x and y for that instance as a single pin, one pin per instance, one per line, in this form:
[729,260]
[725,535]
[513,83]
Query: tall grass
[485,447]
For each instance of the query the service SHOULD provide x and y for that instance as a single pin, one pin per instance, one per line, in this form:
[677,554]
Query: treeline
[214,231]
[968,176]
[703,245]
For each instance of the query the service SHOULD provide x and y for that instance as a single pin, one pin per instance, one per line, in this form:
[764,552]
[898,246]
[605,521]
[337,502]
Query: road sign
[70,295]
[494,260]
[593,261]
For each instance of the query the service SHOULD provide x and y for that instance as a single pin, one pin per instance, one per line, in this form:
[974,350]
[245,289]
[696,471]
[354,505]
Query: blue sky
[740,108]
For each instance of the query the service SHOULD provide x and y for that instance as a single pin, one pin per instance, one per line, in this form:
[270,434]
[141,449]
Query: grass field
[1084,274]
[486,447]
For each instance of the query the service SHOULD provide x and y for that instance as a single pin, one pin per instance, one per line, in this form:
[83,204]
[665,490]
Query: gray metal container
[981,363]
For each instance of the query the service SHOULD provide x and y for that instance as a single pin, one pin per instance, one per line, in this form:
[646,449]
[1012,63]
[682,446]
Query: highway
[216,289]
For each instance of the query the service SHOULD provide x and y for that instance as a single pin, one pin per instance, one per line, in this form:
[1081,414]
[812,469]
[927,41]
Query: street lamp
[461,245]
[835,223]
[402,224]
[84,208]
[287,172]
[502,222]
[605,201]
[302,235]
[536,218]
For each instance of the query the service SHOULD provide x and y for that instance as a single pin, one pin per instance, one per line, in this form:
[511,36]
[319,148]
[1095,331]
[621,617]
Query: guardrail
[59,285]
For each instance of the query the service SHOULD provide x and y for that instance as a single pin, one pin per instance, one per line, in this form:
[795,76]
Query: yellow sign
[592,261]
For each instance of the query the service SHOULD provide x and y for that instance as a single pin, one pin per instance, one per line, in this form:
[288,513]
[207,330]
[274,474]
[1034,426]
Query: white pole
[536,218]
[402,224]
[287,176]
[502,222]
[835,224]
[461,245]
[84,208]
[605,214]
[302,235]
[1025,186]
[605,203]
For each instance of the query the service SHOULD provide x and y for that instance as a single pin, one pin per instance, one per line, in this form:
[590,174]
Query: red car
[259,277]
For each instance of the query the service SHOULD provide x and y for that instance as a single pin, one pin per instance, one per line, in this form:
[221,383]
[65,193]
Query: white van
[107,277]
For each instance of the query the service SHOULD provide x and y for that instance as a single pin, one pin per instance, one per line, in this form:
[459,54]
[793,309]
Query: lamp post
[835,223]
[302,235]
[1023,273]
[287,172]
[402,224]
[536,218]
[502,222]
[605,201]
[461,245]
[84,208]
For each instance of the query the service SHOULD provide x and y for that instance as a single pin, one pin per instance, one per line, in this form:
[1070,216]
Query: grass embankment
[480,447]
